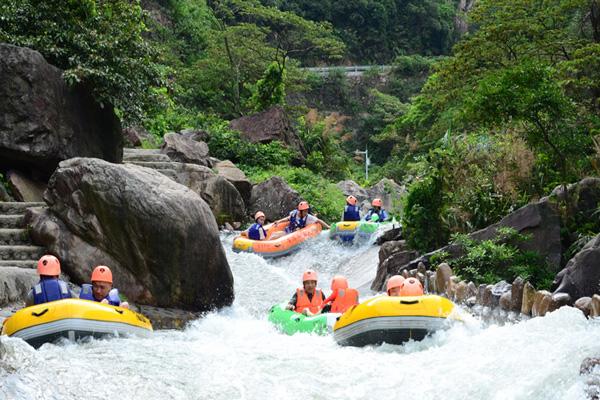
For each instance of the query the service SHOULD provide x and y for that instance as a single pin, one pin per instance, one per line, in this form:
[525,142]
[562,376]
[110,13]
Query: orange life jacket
[302,301]
[345,299]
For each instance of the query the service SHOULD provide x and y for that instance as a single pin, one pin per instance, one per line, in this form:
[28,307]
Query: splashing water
[237,354]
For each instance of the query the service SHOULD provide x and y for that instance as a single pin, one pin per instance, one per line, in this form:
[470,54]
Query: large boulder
[392,265]
[274,197]
[182,149]
[270,125]
[15,284]
[160,237]
[581,275]
[43,120]
[349,187]
[235,176]
[389,192]
[136,136]
[24,188]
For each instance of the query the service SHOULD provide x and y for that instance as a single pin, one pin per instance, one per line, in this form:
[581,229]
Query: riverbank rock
[541,303]
[516,299]
[168,318]
[391,266]
[24,188]
[236,177]
[181,149]
[581,275]
[389,248]
[269,125]
[558,300]
[274,197]
[45,120]
[585,305]
[442,278]
[15,283]
[595,306]
[158,233]
[528,298]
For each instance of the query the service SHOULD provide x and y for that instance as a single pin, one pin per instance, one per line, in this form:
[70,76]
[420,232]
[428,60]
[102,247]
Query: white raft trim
[80,325]
[429,324]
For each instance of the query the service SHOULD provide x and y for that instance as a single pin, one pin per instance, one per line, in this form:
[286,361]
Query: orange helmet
[411,287]
[303,205]
[309,275]
[377,203]
[258,215]
[339,282]
[48,265]
[394,281]
[102,274]
[351,200]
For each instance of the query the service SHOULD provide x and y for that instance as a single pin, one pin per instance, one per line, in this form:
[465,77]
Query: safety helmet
[411,287]
[309,275]
[102,274]
[303,205]
[339,282]
[258,215]
[351,200]
[377,203]
[394,281]
[48,265]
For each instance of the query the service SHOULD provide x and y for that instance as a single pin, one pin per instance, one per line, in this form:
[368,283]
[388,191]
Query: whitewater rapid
[236,354]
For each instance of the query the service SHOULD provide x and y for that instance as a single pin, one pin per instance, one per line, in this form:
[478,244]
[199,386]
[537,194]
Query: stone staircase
[16,248]
[150,158]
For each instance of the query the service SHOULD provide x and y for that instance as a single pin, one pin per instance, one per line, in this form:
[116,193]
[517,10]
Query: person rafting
[101,289]
[411,287]
[309,299]
[50,287]
[376,213]
[342,297]
[394,284]
[257,231]
[351,210]
[300,218]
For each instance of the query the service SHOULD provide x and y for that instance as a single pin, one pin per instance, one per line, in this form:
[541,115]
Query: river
[236,354]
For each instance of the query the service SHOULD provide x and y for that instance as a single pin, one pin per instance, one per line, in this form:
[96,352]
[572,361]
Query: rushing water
[237,354]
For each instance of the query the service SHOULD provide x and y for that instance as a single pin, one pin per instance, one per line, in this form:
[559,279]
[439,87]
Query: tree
[269,90]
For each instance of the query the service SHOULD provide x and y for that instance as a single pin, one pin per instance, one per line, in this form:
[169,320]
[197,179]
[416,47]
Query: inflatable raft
[281,246]
[393,320]
[346,231]
[73,319]
[291,322]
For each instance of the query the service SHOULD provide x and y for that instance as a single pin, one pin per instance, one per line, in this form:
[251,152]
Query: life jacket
[296,222]
[257,232]
[381,214]
[50,289]
[345,299]
[351,213]
[112,297]
[302,301]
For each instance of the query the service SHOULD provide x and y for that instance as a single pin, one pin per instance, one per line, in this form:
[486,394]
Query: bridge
[353,70]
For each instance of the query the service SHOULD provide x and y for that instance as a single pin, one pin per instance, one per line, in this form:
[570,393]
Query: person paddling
[101,289]
[342,297]
[300,218]
[394,284]
[50,287]
[351,210]
[376,210]
[257,231]
[309,299]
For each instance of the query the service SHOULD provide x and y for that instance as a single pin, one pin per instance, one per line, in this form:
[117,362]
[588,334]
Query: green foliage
[97,43]
[270,89]
[325,198]
[500,258]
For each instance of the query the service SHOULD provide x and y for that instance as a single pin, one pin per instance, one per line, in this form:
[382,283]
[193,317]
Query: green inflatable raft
[291,322]
[347,231]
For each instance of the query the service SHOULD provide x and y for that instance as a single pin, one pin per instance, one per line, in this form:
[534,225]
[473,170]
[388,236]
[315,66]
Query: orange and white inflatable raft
[281,246]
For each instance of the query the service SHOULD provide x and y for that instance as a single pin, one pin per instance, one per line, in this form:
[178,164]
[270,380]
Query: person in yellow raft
[101,289]
[50,287]
[308,299]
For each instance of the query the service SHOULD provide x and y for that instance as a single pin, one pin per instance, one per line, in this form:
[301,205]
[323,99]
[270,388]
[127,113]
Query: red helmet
[48,265]
[394,282]
[411,287]
[102,274]
[309,275]
[351,200]
[339,282]
[377,203]
[303,205]
[258,215]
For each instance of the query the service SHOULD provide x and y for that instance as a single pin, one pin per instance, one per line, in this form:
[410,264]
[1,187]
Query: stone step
[159,166]
[18,263]
[147,158]
[13,237]
[21,252]
[11,221]
[17,207]
[132,150]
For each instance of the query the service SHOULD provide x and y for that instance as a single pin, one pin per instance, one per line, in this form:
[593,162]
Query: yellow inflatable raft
[73,319]
[393,320]
[281,246]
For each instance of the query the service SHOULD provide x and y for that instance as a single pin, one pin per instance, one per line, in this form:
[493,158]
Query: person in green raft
[309,299]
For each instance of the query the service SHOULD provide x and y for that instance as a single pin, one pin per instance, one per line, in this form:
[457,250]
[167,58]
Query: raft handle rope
[409,302]
[40,313]
[119,311]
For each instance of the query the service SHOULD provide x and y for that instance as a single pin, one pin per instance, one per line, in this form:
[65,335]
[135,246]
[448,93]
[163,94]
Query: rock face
[267,126]
[274,197]
[389,248]
[44,120]
[158,236]
[388,191]
[391,266]
[15,283]
[350,187]
[24,188]
[236,177]
[581,275]
[181,149]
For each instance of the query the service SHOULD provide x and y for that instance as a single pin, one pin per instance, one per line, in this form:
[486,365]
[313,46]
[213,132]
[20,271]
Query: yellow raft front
[73,319]
[393,320]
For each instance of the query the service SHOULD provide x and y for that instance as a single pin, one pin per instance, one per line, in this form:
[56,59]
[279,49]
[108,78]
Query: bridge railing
[348,70]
